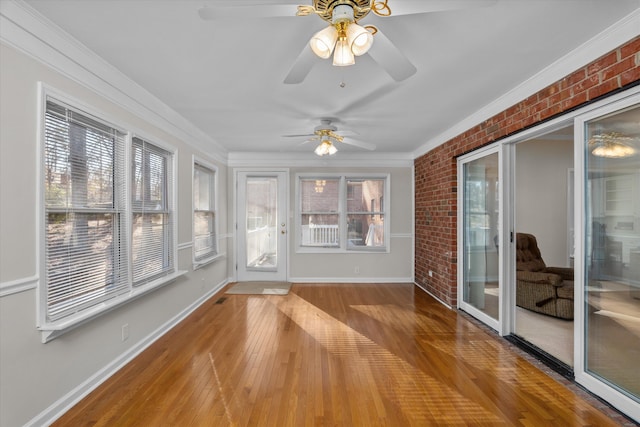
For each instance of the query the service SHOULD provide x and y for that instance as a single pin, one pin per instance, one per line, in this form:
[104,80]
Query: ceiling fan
[327,134]
[344,37]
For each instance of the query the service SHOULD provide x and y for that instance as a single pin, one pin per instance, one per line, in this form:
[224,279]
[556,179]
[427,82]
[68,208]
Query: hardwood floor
[338,354]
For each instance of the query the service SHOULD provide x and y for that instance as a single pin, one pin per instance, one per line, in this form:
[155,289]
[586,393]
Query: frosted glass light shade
[325,147]
[359,39]
[343,55]
[323,41]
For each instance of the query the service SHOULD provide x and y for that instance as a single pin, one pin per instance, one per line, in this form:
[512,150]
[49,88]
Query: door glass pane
[481,207]
[612,250]
[262,216]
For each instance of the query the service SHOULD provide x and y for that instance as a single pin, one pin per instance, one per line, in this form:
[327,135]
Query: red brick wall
[435,171]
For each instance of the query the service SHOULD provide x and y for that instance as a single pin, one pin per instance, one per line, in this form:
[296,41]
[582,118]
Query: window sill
[51,331]
[205,262]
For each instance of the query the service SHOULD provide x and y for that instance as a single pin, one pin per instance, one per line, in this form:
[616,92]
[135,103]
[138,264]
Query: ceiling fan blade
[301,67]
[209,13]
[389,57]
[358,143]
[309,140]
[410,7]
[298,136]
[347,133]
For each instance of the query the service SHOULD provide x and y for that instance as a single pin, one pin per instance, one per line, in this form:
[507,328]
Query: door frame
[469,308]
[284,216]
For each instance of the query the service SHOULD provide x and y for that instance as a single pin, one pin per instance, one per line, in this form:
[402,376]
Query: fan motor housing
[324,8]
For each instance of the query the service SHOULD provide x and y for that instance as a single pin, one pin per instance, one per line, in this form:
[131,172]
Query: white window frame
[51,329]
[167,208]
[213,170]
[342,213]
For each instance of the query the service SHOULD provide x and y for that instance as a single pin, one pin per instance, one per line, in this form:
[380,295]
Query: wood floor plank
[332,354]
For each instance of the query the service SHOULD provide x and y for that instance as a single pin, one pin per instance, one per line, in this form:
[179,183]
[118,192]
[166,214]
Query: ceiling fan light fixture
[325,147]
[323,42]
[359,39]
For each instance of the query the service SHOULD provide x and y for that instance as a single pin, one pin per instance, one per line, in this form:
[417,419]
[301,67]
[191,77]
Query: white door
[262,227]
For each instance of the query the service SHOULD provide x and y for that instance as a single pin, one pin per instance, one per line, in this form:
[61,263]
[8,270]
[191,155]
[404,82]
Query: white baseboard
[66,402]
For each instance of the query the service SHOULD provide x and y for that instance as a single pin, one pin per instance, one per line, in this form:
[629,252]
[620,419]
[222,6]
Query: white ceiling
[226,76]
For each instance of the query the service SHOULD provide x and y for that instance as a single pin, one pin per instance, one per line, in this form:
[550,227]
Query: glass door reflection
[480,235]
[612,250]
[261,226]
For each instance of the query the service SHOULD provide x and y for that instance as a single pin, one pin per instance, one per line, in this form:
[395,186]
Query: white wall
[35,376]
[541,195]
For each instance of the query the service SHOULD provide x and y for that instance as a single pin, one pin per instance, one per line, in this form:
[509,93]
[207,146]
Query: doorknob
[282,225]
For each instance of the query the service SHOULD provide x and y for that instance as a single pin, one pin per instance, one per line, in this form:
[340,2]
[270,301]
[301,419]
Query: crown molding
[26,30]
[608,40]
[341,159]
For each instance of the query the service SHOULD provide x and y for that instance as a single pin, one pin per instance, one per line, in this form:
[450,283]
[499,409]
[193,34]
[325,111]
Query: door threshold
[552,362]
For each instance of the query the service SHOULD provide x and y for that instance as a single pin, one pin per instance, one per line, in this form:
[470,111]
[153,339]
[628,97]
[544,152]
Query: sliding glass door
[609,142]
[479,202]
[570,190]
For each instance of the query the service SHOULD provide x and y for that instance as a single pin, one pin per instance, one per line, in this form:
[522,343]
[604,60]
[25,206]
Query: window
[342,212]
[319,201]
[205,245]
[103,237]
[85,227]
[152,223]
[366,223]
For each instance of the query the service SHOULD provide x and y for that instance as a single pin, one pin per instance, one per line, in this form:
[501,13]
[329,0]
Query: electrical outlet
[125,332]
[356,270]
[430,273]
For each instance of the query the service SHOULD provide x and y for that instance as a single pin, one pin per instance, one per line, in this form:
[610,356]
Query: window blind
[152,212]
[204,215]
[85,255]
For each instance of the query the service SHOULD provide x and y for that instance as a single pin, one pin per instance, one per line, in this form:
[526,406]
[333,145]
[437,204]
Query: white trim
[66,402]
[26,30]
[205,262]
[18,285]
[297,160]
[613,37]
[506,247]
[401,235]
